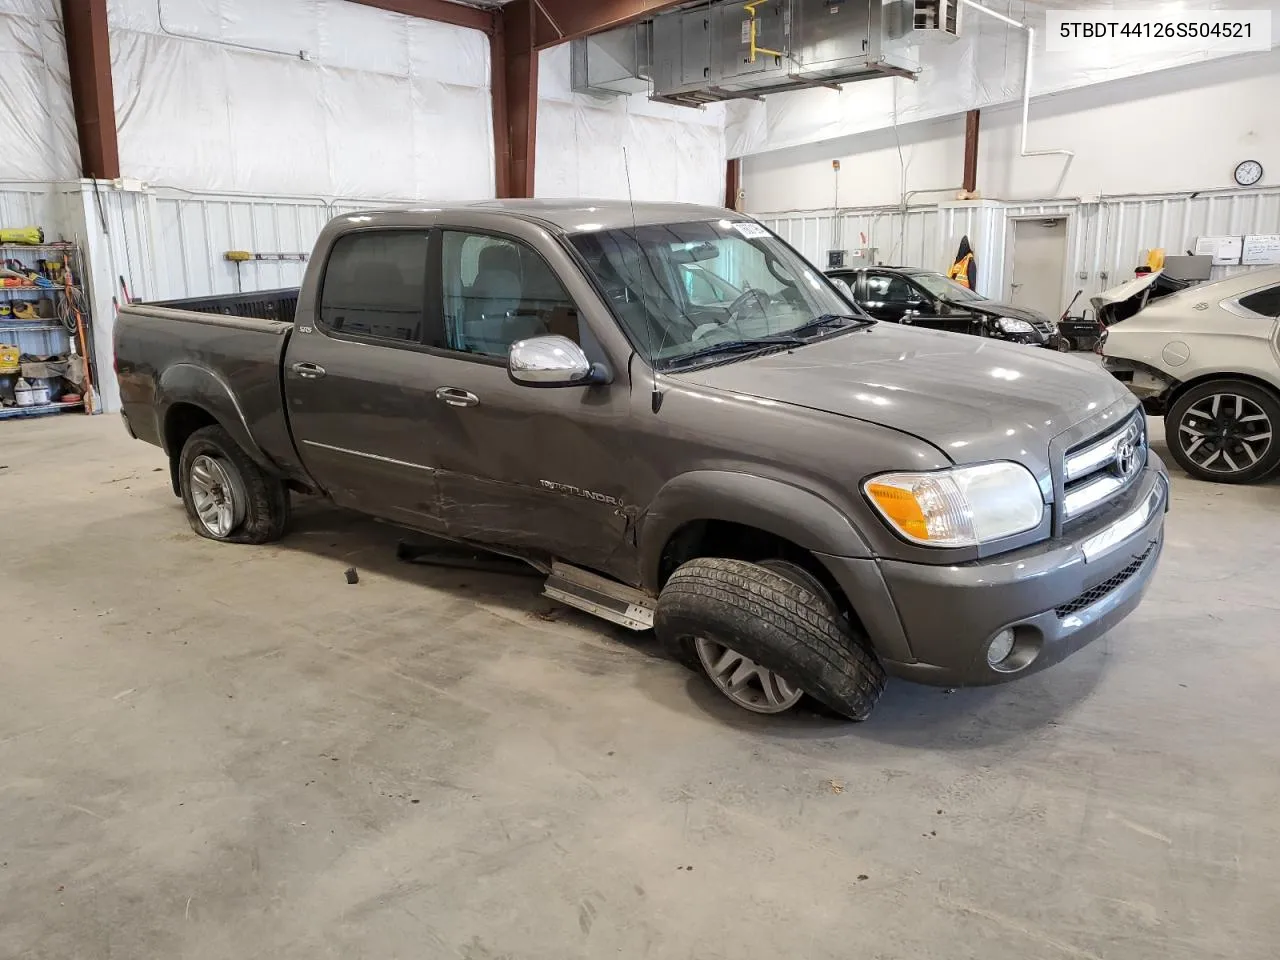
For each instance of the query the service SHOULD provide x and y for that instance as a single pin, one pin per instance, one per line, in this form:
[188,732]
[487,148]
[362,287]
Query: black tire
[1211,459]
[775,620]
[266,506]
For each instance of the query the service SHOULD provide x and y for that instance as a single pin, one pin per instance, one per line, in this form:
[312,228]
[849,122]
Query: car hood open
[974,399]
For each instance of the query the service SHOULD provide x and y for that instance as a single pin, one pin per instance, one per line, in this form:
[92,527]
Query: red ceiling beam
[561,20]
[442,11]
[84,25]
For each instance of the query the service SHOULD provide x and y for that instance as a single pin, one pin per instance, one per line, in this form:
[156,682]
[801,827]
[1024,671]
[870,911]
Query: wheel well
[1171,397]
[180,422]
[737,541]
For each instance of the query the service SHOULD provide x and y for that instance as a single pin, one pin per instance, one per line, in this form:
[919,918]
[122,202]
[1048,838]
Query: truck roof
[584,216]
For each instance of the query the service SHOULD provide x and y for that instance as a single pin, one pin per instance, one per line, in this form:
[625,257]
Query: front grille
[1096,593]
[1099,470]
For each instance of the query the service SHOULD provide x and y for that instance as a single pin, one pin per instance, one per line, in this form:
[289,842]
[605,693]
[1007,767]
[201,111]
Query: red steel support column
[733,184]
[84,24]
[971,150]
[519,80]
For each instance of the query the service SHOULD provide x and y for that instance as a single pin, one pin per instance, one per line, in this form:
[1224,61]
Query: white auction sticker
[752,231]
[1147,31]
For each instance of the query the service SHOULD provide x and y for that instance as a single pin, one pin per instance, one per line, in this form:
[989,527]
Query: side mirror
[552,361]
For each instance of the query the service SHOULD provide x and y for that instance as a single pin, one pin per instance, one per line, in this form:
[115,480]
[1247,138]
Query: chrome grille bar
[1099,471]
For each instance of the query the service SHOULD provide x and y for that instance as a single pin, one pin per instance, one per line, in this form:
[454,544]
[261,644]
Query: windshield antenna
[655,400]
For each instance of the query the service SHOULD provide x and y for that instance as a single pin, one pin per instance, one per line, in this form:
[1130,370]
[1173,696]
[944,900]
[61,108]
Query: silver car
[1207,359]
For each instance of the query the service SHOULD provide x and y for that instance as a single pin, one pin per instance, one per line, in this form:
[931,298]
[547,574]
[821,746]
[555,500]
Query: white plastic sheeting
[1106,239]
[983,67]
[334,99]
[37,126]
[675,153]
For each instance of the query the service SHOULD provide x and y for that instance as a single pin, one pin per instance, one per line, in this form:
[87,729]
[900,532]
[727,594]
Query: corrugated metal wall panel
[1106,238]
[177,241]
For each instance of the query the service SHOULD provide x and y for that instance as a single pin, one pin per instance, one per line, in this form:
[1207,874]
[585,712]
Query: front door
[522,466]
[359,381]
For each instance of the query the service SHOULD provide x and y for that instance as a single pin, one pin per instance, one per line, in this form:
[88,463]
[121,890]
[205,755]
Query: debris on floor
[352,575]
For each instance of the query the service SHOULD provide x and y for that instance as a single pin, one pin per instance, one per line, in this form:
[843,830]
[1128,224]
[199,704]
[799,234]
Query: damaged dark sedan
[921,298]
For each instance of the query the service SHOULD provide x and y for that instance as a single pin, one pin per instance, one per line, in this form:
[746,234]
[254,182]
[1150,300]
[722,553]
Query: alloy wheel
[1225,433]
[744,681]
[217,495]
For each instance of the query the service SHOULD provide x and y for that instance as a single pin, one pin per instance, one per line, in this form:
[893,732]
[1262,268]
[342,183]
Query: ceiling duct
[613,62]
[730,49]
[921,21]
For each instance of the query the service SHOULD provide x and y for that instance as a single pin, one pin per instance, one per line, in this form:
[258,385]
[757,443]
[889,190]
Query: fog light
[1000,647]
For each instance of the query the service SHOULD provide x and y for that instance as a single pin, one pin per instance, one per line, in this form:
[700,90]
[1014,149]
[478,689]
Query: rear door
[359,383]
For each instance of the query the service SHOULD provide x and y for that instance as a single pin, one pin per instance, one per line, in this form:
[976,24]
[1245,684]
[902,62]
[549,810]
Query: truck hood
[974,399]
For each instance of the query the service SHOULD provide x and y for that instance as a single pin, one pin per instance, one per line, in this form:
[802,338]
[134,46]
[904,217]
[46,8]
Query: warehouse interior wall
[301,97]
[674,153]
[37,123]
[982,67]
[1129,137]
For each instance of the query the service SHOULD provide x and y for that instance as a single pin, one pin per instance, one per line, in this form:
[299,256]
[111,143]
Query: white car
[1207,359]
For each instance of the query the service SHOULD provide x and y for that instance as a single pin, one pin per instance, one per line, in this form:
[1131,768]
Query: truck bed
[229,363]
[265,304]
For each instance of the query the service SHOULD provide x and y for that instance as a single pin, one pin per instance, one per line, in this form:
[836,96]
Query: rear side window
[375,285]
[1265,302]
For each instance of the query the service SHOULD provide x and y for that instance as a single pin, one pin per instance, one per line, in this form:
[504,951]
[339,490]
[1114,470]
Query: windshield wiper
[849,320]
[739,346]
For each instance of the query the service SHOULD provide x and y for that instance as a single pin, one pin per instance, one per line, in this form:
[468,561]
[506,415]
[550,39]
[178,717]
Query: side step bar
[600,596]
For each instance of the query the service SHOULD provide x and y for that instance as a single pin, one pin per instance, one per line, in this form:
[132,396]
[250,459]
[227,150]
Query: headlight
[1011,325]
[960,507]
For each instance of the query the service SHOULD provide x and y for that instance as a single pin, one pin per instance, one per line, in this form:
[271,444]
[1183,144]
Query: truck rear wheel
[228,497]
[764,637]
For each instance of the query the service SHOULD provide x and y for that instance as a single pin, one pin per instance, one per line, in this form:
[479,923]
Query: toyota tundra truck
[680,421]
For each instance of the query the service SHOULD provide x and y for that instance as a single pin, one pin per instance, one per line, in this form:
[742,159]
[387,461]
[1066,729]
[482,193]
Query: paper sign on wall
[1224,250]
[1261,249]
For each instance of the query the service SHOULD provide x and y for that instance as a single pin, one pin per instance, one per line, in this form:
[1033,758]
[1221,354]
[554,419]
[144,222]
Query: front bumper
[933,624]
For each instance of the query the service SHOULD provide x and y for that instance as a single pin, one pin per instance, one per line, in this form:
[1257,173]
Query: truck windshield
[680,289]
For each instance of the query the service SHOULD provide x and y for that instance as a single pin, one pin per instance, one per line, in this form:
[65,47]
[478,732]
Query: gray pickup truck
[677,418]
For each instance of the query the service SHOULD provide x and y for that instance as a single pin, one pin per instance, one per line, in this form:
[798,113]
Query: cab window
[496,291]
[375,285]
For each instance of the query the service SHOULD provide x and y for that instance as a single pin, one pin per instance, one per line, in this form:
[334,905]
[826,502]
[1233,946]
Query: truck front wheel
[764,637]
[228,497]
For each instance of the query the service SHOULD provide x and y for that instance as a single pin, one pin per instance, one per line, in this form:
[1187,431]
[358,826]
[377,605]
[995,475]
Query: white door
[1039,261]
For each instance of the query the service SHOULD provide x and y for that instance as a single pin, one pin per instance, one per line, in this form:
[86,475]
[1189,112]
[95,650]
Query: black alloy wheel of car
[1223,431]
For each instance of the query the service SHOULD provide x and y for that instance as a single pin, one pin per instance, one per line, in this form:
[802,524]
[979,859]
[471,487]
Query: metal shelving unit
[12,413]
[43,336]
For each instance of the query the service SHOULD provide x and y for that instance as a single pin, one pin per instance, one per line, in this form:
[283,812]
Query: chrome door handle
[308,371]
[457,398]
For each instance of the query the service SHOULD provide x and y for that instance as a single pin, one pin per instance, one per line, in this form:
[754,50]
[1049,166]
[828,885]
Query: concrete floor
[211,751]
